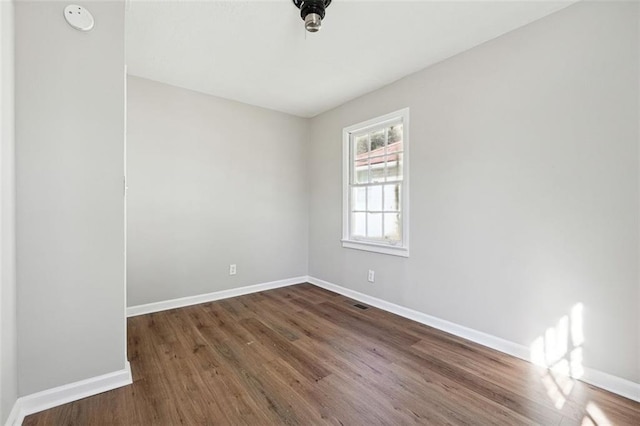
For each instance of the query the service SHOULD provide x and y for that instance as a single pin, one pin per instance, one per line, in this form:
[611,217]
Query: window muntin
[375,184]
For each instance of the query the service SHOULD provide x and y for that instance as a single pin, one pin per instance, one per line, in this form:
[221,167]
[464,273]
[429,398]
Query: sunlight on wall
[559,350]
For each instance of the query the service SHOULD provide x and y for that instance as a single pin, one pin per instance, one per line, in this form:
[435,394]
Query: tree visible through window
[375,186]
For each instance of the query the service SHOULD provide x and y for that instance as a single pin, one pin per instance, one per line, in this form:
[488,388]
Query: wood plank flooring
[304,355]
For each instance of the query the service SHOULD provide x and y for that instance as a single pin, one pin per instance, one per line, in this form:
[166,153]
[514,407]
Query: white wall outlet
[372,276]
[232,269]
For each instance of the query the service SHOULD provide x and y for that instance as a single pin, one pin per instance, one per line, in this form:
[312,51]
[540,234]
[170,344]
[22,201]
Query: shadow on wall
[560,352]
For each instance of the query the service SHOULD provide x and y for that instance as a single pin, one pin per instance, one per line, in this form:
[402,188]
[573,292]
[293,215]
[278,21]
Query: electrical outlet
[372,276]
[232,269]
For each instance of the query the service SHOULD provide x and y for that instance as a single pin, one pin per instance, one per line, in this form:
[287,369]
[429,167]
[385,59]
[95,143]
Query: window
[376,185]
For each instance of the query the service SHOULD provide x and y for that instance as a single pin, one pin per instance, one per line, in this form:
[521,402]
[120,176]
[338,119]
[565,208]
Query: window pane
[395,147]
[361,171]
[374,225]
[377,142]
[395,133]
[394,167]
[359,199]
[392,197]
[359,225]
[374,198]
[361,145]
[392,226]
[377,169]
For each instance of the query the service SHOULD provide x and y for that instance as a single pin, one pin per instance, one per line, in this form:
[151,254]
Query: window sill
[376,248]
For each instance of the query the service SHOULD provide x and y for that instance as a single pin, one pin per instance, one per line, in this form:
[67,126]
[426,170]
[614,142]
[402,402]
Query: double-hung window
[376,185]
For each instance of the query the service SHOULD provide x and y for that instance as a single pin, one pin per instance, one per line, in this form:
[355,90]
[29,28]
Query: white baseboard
[484,339]
[614,384]
[597,378]
[54,397]
[40,401]
[148,308]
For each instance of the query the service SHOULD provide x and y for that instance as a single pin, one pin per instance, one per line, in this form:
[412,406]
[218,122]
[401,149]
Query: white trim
[614,384]
[124,212]
[50,398]
[148,308]
[617,385]
[8,343]
[64,394]
[376,248]
[400,116]
[378,122]
[484,339]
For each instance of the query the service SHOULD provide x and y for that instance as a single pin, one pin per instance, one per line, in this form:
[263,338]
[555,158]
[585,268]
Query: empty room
[320,212]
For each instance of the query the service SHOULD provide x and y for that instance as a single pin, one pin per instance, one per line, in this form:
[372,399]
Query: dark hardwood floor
[304,355]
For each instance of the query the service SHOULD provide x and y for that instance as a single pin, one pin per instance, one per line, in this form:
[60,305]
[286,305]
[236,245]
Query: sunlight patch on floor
[595,416]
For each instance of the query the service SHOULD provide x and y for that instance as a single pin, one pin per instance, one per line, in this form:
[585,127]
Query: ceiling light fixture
[312,13]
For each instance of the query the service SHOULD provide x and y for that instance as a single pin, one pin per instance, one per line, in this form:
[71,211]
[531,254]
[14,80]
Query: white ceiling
[257,52]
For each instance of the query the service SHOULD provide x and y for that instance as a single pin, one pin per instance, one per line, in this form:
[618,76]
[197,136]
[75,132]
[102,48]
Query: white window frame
[348,241]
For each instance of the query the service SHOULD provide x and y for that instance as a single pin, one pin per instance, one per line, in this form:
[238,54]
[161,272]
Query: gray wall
[524,186]
[211,182]
[70,204]
[8,341]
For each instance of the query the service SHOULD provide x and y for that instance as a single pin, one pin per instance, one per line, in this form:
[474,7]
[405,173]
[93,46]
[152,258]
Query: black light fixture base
[312,12]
